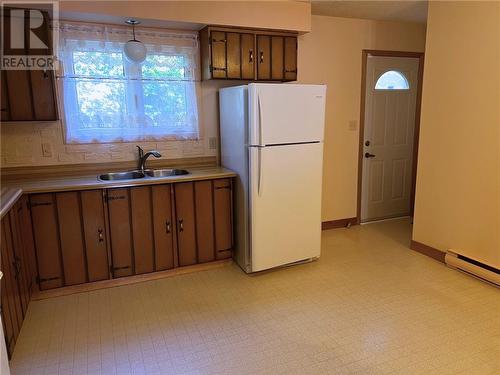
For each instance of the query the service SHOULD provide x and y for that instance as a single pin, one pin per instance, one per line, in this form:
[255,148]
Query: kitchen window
[107,98]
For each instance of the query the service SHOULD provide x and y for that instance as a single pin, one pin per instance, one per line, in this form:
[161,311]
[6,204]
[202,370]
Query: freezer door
[284,114]
[285,204]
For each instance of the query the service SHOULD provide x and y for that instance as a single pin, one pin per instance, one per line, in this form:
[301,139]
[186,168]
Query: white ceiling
[402,10]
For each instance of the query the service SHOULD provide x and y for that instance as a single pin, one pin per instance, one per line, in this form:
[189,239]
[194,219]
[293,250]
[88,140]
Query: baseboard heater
[473,267]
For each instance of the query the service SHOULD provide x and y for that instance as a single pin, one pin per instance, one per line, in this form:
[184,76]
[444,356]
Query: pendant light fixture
[134,49]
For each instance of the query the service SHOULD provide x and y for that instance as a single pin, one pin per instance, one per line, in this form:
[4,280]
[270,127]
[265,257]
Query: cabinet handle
[261,58]
[100,235]
[181,225]
[219,40]
[250,56]
[223,69]
[167,226]
[291,71]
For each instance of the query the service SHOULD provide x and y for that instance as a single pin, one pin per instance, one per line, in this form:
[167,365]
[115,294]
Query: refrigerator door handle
[260,119]
[259,183]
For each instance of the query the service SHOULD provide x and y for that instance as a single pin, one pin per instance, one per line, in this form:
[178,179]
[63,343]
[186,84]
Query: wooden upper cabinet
[247,56]
[230,53]
[263,57]
[290,58]
[28,95]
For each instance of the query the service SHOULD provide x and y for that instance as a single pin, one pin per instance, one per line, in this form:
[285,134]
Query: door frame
[384,53]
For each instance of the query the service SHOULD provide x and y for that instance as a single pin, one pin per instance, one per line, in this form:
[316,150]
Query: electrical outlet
[47,150]
[212,143]
[353,125]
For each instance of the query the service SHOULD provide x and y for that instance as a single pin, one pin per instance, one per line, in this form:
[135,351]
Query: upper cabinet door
[247,56]
[30,95]
[233,55]
[277,57]
[290,58]
[3,97]
[218,42]
[263,57]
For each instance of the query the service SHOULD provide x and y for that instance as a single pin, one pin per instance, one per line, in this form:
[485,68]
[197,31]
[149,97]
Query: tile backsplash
[34,144]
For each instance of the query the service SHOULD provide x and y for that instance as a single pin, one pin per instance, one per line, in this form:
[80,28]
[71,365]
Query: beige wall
[331,54]
[458,188]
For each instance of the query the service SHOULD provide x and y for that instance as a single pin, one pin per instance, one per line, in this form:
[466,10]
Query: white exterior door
[390,102]
[285,204]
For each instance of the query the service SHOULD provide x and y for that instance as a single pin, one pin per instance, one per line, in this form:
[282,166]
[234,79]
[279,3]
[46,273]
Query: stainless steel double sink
[132,175]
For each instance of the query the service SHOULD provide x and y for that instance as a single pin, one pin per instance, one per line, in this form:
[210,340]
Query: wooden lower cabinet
[163,225]
[186,227]
[120,233]
[92,235]
[16,286]
[223,218]
[204,203]
[71,238]
[46,235]
[94,231]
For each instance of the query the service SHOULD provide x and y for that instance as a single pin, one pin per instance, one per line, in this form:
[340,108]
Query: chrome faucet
[144,156]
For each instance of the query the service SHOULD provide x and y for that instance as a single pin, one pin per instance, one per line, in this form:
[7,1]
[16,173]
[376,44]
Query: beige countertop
[12,190]
[8,197]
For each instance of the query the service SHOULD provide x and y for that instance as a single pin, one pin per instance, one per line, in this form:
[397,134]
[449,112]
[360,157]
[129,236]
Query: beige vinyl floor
[368,306]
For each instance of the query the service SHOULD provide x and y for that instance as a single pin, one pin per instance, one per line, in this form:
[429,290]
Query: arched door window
[392,80]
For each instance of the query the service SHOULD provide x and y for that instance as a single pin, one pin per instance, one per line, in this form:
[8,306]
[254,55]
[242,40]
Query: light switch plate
[47,150]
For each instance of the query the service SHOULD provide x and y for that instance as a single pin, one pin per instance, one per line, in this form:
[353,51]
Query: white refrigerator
[272,136]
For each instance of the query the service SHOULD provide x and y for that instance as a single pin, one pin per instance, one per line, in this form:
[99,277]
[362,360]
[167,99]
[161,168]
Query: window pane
[392,80]
[165,103]
[164,67]
[98,64]
[100,104]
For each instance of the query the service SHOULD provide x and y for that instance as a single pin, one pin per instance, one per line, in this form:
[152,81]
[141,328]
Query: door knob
[368,155]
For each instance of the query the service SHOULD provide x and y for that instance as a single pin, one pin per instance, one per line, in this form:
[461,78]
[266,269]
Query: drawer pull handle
[181,225]
[261,57]
[167,226]
[250,57]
